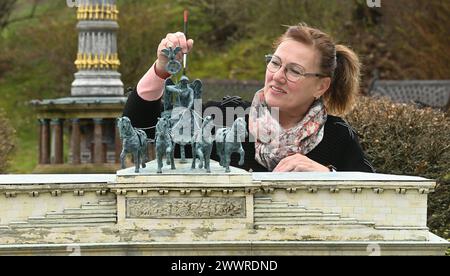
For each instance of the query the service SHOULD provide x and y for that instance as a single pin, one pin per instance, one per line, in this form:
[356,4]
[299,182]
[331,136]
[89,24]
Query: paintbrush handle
[186,17]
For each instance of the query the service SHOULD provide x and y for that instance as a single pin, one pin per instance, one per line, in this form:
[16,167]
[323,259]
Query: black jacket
[339,146]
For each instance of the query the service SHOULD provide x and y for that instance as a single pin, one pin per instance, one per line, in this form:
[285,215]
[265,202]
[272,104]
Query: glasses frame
[306,74]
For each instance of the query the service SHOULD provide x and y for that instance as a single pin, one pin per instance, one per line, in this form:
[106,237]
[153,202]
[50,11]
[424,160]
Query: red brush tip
[186,14]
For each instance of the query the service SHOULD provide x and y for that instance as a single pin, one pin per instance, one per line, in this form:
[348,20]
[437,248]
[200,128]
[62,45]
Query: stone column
[98,142]
[57,141]
[44,141]
[75,142]
[97,59]
[118,144]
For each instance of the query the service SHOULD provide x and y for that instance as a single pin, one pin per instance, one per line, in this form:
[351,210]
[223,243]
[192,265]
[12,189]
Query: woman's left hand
[299,163]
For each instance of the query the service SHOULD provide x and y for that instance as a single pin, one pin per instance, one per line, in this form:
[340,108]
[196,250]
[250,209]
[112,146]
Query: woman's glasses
[292,71]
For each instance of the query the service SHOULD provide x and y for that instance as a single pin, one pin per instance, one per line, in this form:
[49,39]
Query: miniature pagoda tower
[87,117]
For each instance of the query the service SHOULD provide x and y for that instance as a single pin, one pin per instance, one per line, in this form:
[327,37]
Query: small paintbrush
[186,14]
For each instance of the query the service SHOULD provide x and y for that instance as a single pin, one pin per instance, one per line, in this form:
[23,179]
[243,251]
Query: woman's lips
[277,90]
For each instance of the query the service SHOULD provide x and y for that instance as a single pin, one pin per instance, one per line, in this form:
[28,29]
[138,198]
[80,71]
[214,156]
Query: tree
[7,142]
[6,9]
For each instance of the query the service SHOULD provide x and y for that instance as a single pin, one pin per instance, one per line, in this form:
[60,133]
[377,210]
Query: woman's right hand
[172,40]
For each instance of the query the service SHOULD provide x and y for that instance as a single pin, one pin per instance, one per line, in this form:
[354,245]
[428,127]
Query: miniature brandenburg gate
[190,212]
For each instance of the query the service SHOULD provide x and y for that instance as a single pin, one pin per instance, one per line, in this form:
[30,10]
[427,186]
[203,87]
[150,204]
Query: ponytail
[344,88]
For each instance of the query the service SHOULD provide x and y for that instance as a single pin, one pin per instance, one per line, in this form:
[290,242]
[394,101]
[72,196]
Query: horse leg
[194,155]
[201,157]
[168,157]
[159,158]
[207,156]
[219,151]
[183,154]
[207,166]
[172,159]
[144,153]
[227,163]
[242,153]
[123,154]
[141,158]
[136,160]
[227,157]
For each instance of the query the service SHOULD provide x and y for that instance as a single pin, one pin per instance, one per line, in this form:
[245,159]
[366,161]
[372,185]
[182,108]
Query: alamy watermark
[373,3]
[186,121]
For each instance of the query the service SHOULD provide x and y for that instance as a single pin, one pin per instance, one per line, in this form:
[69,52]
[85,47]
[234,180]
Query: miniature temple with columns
[87,117]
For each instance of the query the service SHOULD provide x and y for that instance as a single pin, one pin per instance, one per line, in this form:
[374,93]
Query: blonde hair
[336,61]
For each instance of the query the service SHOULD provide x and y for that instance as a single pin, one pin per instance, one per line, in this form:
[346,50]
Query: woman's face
[293,97]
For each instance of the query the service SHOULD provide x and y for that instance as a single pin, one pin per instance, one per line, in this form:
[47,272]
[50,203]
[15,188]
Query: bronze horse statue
[229,140]
[164,143]
[203,143]
[134,141]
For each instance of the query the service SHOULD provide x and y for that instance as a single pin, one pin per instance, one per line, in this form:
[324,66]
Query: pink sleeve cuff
[151,86]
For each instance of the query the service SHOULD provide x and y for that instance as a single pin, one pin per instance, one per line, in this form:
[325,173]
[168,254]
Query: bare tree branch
[6,8]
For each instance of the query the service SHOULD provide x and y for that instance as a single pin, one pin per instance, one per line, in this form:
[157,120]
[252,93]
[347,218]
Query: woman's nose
[279,75]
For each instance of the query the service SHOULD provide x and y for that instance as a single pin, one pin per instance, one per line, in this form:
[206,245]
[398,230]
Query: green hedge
[402,139]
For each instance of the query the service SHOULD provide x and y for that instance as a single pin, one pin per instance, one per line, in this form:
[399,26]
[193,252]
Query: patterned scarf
[273,143]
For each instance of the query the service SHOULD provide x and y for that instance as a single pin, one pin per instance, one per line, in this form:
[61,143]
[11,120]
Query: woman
[307,78]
